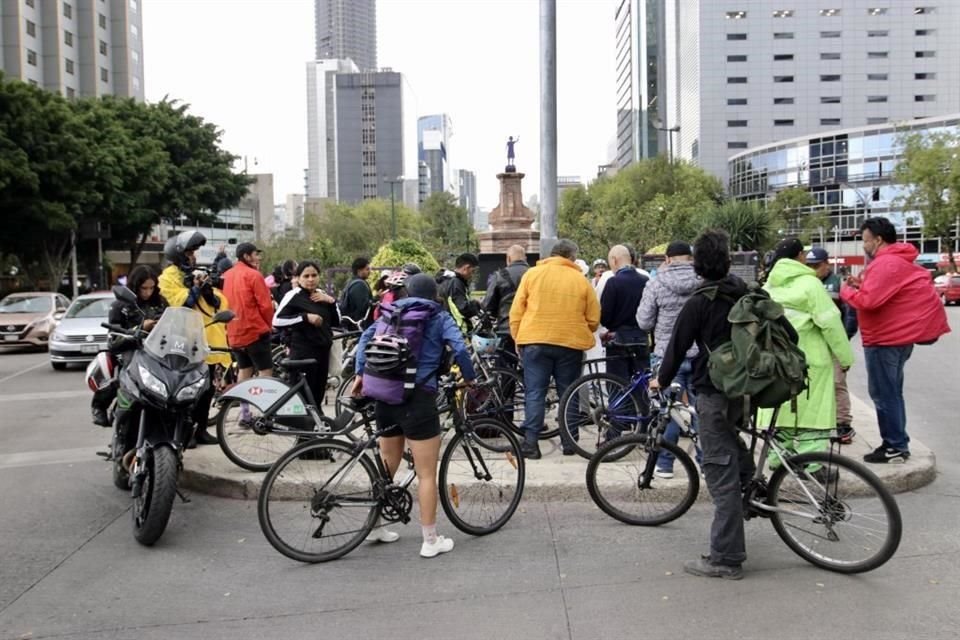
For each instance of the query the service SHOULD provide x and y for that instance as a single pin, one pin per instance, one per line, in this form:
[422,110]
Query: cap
[679,249]
[600,262]
[817,255]
[421,285]
[246,248]
[789,248]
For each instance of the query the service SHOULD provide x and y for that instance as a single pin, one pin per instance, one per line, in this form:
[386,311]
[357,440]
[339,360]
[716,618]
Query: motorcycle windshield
[178,338]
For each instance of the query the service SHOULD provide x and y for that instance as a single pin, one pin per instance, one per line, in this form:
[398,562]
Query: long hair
[137,278]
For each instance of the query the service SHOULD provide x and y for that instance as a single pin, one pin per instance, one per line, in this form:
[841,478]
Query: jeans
[727,467]
[672,434]
[885,384]
[541,362]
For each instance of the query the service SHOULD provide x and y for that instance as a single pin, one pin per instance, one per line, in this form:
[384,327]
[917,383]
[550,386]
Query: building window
[924,54]
[878,34]
[877,120]
[68,38]
[925,98]
[71,94]
[877,76]
[829,13]
[925,76]
[830,56]
[783,78]
[737,80]
[783,35]
[783,13]
[103,48]
[736,36]
[780,57]
[924,32]
[31,81]
[736,15]
[68,66]
[104,75]
[136,83]
[876,98]
[830,100]
[102,20]
[923,11]
[876,55]
[878,11]
[135,56]
[829,122]
[829,34]
[31,29]
[736,58]
[134,31]
[736,102]
[783,101]
[783,123]
[29,3]
[736,123]
[31,57]
[830,77]
[736,145]
[67,10]
[133,5]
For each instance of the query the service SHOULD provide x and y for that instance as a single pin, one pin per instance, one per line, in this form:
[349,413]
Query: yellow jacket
[555,305]
[175,293]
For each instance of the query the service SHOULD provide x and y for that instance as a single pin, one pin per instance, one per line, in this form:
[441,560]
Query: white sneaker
[666,474]
[382,534]
[442,545]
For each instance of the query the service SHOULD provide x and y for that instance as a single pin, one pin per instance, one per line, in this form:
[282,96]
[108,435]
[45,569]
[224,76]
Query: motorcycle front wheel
[151,509]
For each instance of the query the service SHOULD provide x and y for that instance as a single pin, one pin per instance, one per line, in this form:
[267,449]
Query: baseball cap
[817,255]
[788,248]
[678,248]
[246,248]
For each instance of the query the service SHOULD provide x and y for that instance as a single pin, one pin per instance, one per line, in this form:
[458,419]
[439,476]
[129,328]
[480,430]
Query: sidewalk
[561,478]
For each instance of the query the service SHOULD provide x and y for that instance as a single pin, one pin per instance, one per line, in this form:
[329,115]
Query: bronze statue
[510,153]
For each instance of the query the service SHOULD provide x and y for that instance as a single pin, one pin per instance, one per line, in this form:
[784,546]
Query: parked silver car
[79,337]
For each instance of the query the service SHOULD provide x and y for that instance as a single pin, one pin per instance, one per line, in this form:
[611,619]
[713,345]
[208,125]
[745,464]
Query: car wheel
[59,366]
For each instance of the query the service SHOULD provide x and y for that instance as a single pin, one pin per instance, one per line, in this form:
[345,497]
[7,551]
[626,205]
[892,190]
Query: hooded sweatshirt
[896,303]
[663,298]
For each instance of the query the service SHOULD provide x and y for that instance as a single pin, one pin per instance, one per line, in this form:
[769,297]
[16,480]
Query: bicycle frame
[254,391]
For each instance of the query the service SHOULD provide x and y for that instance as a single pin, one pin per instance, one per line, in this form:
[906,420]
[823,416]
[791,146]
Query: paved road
[70,568]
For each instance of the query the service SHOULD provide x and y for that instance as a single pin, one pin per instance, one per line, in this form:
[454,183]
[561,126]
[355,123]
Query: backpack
[760,363]
[344,295]
[507,300]
[390,372]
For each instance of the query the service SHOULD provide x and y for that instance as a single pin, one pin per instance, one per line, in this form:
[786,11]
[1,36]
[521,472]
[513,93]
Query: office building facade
[80,48]
[433,145]
[321,126]
[467,193]
[347,29]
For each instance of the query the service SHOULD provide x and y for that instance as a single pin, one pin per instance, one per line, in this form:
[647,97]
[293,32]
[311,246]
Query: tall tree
[751,227]
[446,227]
[793,210]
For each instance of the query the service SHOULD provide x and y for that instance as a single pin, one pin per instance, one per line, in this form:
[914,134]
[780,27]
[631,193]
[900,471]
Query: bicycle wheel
[314,509]
[481,477]
[343,390]
[241,444]
[503,399]
[596,407]
[627,490]
[849,523]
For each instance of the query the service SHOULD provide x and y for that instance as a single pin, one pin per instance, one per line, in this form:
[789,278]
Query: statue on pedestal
[511,156]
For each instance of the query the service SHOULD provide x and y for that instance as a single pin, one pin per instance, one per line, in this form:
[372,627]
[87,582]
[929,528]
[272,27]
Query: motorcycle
[159,386]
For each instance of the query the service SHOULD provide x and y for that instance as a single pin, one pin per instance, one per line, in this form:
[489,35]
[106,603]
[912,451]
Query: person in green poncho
[817,321]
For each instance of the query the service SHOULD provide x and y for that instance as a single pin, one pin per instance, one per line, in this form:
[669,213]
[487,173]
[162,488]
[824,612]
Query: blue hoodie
[440,331]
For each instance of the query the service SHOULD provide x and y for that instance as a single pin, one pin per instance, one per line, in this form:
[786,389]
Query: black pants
[316,374]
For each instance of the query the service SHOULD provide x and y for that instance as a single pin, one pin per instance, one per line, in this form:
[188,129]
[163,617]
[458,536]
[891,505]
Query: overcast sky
[241,65]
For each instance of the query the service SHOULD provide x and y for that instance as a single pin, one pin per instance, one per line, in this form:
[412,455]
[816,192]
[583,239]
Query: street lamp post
[393,205]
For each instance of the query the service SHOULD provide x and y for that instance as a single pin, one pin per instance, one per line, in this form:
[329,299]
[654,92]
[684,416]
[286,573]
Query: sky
[241,64]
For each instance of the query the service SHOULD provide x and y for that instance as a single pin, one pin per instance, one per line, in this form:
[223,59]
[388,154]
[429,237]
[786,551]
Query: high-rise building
[376,142]
[322,126]
[433,145]
[347,29]
[468,193]
[79,48]
[424,181]
[758,72]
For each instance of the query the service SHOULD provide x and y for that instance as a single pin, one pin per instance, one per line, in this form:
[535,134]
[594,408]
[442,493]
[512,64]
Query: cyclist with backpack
[822,339]
[727,464]
[500,295]
[357,297]
[398,360]
[455,291]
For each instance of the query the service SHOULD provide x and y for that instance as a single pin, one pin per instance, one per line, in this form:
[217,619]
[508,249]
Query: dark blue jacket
[621,297]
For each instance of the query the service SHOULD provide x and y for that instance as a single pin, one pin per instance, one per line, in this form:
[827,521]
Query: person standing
[663,298]
[822,338]
[500,295]
[357,297]
[552,320]
[819,260]
[600,267]
[455,291]
[618,313]
[897,307]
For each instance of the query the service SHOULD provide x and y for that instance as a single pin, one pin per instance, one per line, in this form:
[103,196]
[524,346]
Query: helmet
[411,268]
[484,345]
[100,371]
[386,353]
[600,262]
[175,248]
[396,280]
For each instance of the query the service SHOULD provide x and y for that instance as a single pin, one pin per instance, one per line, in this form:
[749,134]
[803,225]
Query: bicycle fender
[263,393]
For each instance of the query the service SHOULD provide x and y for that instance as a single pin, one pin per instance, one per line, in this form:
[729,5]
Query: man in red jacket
[897,307]
[249,297]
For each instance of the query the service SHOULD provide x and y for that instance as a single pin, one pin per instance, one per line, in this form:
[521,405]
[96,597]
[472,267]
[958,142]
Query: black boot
[100,417]
[203,437]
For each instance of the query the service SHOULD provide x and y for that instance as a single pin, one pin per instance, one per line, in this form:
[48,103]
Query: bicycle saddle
[306,362]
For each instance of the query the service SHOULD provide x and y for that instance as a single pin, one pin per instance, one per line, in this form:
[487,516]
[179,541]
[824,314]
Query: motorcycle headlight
[190,392]
[151,382]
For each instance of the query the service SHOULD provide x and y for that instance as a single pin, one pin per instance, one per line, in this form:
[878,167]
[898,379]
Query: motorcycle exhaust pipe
[129,459]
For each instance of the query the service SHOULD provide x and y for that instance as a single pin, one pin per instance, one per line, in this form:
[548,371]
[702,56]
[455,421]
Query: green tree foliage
[398,252]
[930,169]
[446,227]
[791,211]
[357,229]
[751,227]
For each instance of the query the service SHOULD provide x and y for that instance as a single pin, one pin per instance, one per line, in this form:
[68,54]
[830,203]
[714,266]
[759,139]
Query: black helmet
[184,241]
[386,354]
[411,268]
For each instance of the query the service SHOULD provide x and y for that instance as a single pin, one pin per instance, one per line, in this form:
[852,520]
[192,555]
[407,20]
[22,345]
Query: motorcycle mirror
[122,293]
[223,316]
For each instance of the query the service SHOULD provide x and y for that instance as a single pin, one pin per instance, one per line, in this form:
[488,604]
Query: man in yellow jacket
[552,320]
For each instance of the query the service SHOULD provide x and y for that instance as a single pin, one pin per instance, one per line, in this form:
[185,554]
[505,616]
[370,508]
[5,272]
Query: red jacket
[896,303]
[248,297]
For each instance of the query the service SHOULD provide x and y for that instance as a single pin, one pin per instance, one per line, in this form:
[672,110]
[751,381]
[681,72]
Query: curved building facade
[847,171]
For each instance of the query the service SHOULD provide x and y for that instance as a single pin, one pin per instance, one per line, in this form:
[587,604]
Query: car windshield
[90,308]
[26,304]
[180,333]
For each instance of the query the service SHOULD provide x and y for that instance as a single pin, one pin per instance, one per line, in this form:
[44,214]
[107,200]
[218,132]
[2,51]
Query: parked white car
[79,337]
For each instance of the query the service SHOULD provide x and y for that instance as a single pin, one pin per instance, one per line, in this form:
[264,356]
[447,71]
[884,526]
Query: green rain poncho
[817,320]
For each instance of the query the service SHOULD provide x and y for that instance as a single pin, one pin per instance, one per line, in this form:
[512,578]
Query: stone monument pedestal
[510,222]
